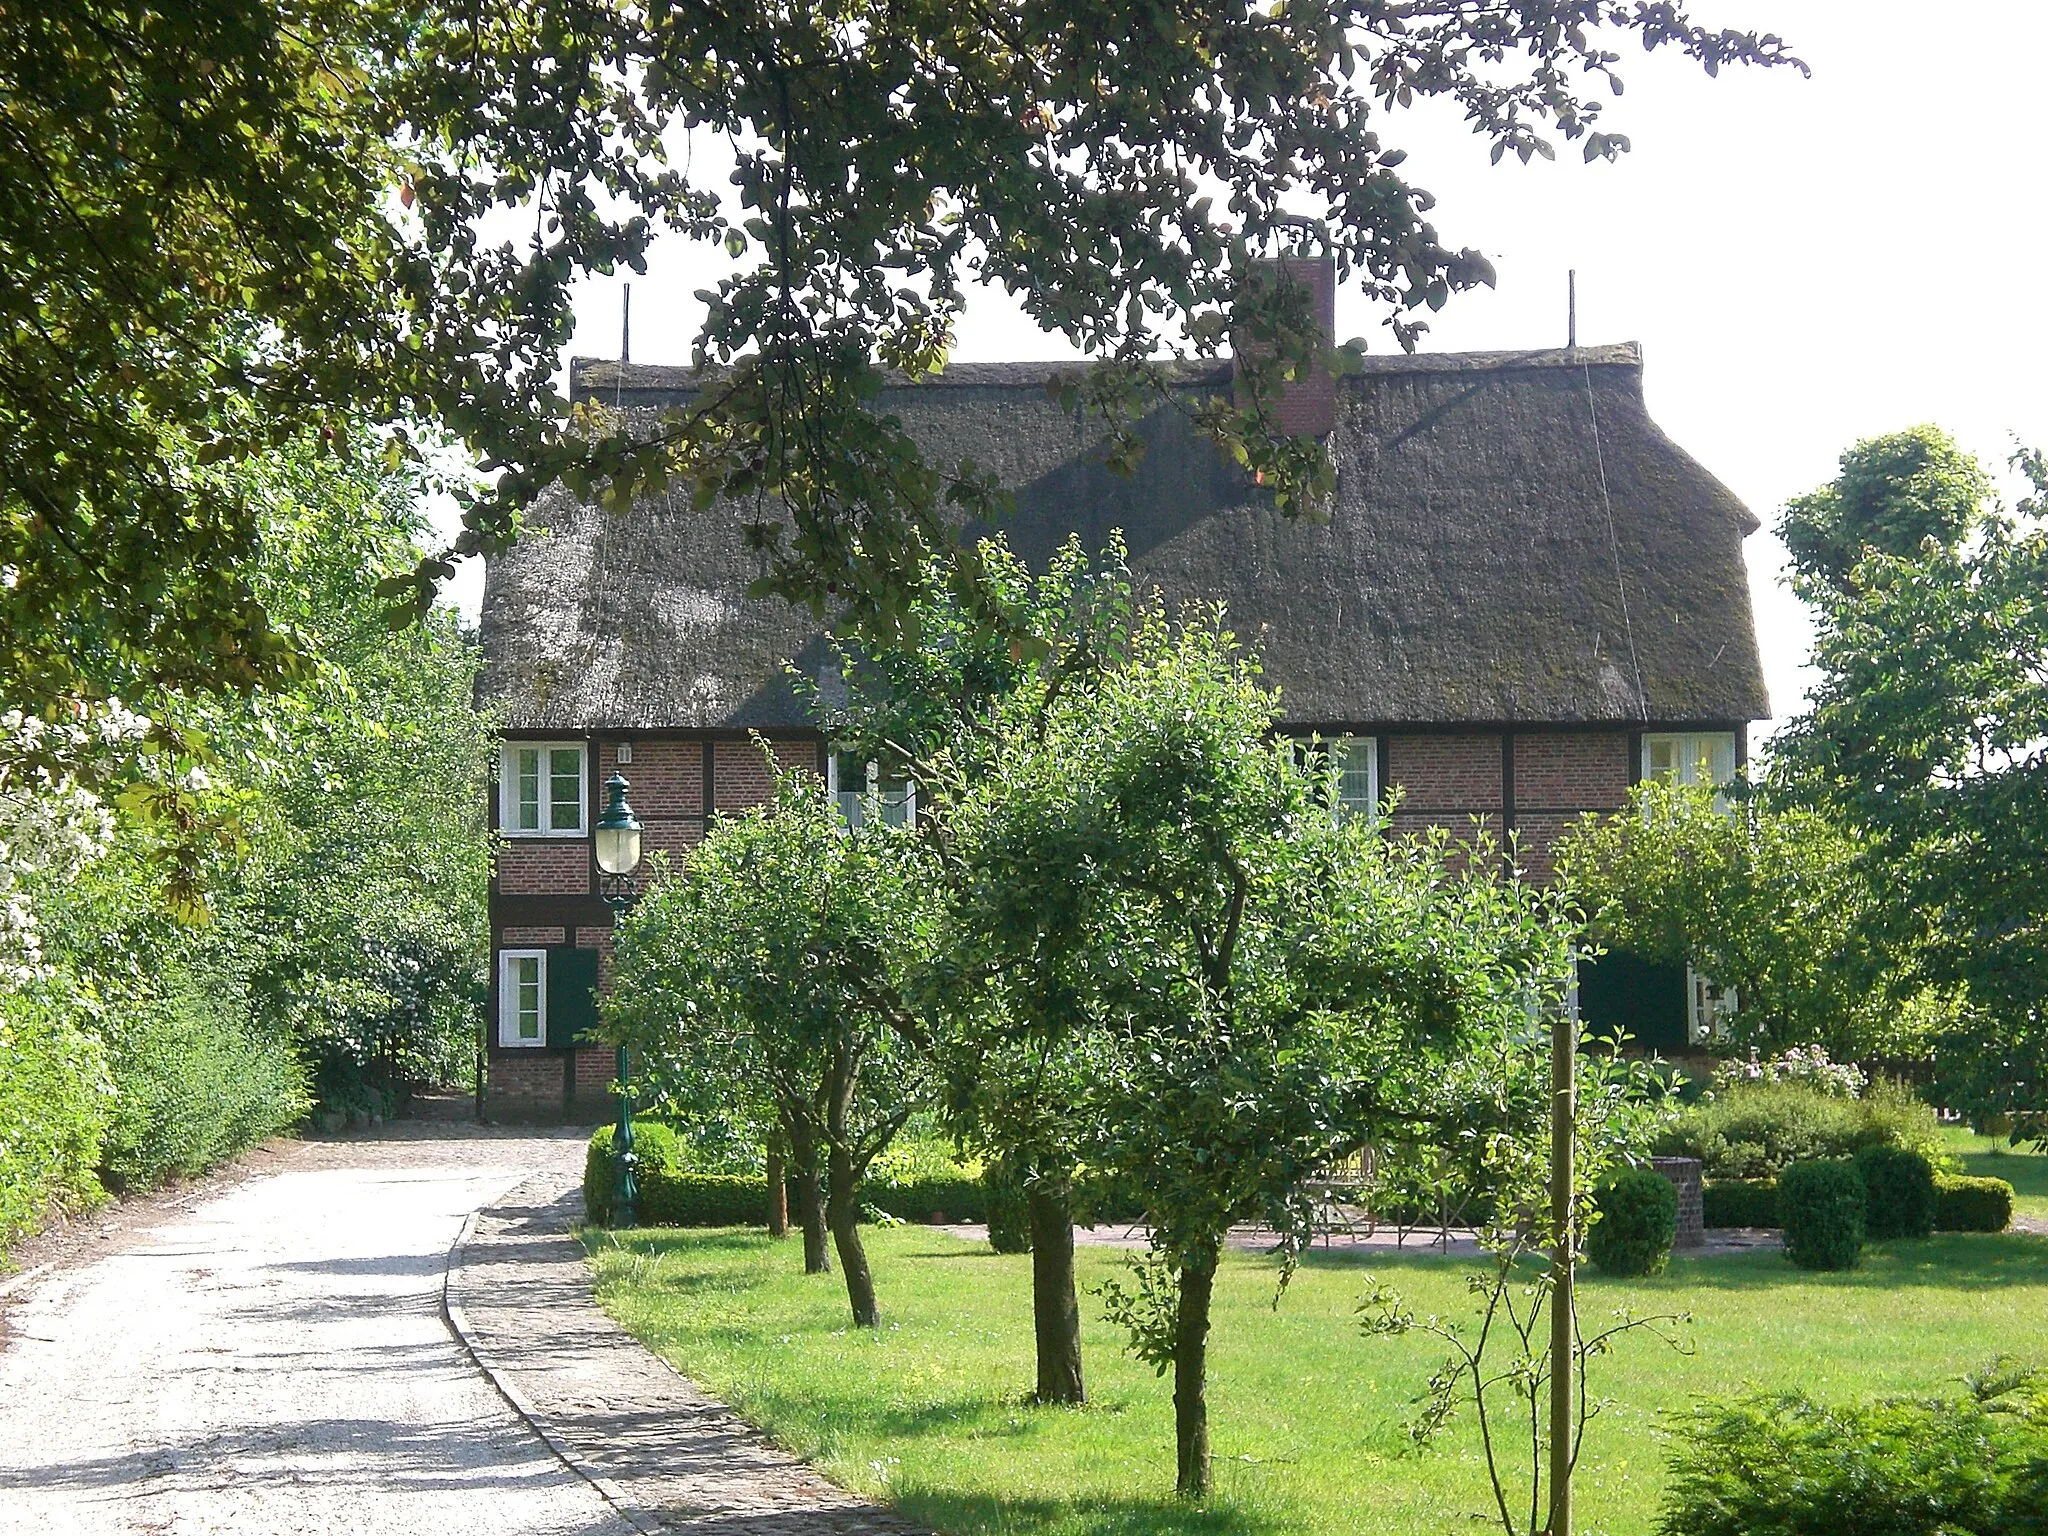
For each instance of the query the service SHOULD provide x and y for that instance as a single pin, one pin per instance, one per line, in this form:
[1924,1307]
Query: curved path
[274,1361]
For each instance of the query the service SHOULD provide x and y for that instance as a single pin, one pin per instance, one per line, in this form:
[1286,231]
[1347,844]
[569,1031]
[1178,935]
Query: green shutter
[1645,1000]
[572,996]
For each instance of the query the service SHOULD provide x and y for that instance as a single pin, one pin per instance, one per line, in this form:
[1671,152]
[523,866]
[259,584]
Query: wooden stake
[1564,1050]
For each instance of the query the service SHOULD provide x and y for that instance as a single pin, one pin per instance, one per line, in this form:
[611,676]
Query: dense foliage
[1963,1204]
[1928,734]
[1775,902]
[1637,1218]
[320,942]
[1821,1207]
[1752,1131]
[1782,1464]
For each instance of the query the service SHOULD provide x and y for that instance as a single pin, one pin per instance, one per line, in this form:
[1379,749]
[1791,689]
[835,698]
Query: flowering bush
[1807,1065]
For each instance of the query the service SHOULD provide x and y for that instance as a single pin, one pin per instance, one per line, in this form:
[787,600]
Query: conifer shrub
[1638,1217]
[1781,1464]
[1821,1205]
[1899,1199]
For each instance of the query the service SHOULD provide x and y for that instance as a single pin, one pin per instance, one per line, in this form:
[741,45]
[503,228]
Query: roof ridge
[605,372]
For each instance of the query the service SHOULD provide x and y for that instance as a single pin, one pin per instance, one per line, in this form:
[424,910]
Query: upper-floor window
[1693,757]
[1352,767]
[541,789]
[855,785]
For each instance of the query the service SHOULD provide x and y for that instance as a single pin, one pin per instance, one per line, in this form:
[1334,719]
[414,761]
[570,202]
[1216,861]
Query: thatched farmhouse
[1527,597]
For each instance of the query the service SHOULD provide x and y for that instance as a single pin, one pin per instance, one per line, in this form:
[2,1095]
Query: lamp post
[618,855]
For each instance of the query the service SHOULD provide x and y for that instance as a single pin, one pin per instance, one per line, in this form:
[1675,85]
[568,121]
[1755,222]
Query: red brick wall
[599,939]
[533,866]
[1571,771]
[1459,774]
[531,936]
[595,1067]
[528,1077]
[667,776]
[1558,778]
[739,770]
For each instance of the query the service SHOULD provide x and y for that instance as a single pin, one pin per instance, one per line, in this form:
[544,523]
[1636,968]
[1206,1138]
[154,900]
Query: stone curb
[458,1324]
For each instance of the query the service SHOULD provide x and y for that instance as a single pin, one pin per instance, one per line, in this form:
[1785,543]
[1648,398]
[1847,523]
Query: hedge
[1739,1203]
[927,1200]
[654,1149]
[677,1199]
[1971,1205]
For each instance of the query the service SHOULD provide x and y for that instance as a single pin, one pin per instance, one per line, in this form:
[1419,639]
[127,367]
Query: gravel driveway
[273,1361]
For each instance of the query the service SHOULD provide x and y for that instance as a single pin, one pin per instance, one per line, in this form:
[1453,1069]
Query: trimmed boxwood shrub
[1898,1190]
[1971,1205]
[655,1148]
[1739,1203]
[1638,1217]
[1821,1204]
[674,1198]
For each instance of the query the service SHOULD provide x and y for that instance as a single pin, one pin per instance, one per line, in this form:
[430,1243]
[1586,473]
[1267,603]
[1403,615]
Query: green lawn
[1306,1413]
[1990,1157]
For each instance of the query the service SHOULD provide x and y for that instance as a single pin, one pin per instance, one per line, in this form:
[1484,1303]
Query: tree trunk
[843,1214]
[778,1187]
[810,1199]
[1190,1372]
[1055,1313]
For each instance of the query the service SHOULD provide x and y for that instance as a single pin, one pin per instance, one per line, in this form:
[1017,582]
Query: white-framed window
[1691,757]
[1353,766]
[542,789]
[522,997]
[854,785]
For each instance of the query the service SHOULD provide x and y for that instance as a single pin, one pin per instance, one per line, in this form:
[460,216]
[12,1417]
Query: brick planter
[1684,1174]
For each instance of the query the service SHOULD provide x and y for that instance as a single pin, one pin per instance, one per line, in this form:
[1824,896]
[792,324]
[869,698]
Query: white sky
[1806,262]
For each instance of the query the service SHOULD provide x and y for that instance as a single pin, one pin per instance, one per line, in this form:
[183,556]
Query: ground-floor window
[1690,757]
[522,997]
[855,785]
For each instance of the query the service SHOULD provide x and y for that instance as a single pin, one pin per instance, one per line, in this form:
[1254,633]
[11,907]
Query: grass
[1307,1415]
[1993,1157]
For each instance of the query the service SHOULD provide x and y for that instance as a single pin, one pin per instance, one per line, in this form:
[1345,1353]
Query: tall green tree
[224,223]
[1258,985]
[1927,734]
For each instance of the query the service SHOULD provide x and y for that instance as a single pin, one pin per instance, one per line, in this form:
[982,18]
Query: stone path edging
[457,1319]
[662,1453]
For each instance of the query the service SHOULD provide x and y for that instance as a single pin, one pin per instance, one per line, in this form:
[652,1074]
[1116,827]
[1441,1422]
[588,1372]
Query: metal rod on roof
[1571,309]
[625,322]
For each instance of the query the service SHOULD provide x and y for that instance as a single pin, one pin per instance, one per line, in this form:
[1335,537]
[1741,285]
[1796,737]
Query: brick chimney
[1308,406]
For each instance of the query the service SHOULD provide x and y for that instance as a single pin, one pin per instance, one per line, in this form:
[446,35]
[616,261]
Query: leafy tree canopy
[225,222]
[1928,736]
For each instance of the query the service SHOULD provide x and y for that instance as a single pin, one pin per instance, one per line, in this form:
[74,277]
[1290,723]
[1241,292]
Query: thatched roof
[1491,557]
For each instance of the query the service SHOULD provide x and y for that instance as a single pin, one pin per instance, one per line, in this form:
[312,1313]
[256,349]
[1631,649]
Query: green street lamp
[618,855]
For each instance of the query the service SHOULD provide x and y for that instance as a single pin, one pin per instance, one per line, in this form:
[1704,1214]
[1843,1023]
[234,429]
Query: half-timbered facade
[1526,597]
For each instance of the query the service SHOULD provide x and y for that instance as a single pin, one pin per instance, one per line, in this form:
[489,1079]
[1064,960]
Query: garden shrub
[1898,1193]
[194,1084]
[55,1097]
[1785,1465]
[1971,1205]
[1739,1203]
[676,1198]
[957,1197]
[655,1149]
[1752,1131]
[1638,1217]
[1821,1205]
